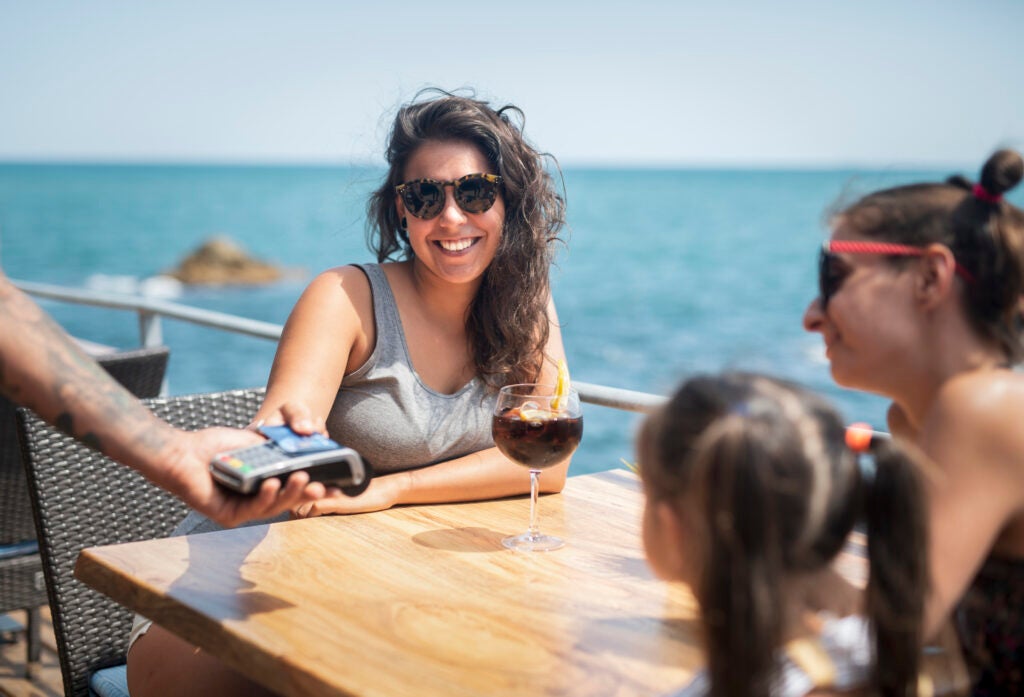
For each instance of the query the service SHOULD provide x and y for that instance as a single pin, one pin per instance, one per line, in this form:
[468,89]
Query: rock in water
[222,261]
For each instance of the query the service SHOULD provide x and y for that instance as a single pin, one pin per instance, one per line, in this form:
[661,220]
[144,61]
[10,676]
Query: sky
[822,83]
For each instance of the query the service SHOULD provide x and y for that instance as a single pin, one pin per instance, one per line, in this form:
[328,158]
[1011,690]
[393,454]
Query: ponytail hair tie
[983,194]
[861,438]
[858,437]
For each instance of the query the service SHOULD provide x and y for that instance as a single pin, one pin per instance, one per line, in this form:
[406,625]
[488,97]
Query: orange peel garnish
[561,386]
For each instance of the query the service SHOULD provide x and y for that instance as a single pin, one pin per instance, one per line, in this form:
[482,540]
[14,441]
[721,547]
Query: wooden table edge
[92,570]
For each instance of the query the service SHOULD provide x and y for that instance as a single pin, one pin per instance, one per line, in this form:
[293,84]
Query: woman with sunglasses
[920,301]
[402,360]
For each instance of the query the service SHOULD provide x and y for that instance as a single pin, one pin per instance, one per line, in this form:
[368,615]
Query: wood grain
[423,600]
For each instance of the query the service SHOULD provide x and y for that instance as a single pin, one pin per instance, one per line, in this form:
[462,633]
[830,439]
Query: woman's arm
[329,333]
[486,474]
[479,476]
[973,435]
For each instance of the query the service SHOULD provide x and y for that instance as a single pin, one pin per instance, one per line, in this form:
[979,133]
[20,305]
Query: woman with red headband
[920,301]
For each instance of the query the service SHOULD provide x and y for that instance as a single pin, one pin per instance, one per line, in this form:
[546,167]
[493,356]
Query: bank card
[294,443]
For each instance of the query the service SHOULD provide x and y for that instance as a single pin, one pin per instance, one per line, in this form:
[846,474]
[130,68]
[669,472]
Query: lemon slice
[534,414]
[561,386]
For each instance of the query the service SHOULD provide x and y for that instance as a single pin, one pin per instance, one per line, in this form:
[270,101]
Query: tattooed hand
[41,368]
[187,475]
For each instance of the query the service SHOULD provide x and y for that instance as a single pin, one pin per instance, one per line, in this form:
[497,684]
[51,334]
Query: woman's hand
[296,414]
[380,495]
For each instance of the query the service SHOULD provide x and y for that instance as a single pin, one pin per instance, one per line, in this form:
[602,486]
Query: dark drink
[536,442]
[537,426]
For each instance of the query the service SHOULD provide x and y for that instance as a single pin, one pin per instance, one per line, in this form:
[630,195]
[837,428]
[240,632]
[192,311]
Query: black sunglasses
[832,272]
[474,193]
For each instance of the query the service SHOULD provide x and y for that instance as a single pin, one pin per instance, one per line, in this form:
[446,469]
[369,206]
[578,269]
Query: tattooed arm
[42,368]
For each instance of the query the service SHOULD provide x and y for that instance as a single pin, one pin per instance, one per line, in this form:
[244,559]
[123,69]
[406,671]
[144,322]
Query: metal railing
[152,310]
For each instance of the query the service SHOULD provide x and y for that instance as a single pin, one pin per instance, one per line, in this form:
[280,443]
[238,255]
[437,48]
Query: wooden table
[423,600]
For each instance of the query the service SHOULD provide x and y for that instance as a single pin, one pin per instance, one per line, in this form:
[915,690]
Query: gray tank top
[385,412]
[388,415]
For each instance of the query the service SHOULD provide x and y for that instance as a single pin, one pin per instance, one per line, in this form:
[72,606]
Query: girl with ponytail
[751,493]
[920,299]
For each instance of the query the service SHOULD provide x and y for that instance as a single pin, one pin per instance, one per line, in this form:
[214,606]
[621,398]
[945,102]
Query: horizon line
[577,164]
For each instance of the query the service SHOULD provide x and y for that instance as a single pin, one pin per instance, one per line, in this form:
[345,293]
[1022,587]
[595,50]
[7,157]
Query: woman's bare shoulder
[348,276]
[981,395]
[341,284]
[984,409]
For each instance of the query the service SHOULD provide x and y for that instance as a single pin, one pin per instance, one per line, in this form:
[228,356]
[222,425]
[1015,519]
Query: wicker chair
[21,570]
[81,499]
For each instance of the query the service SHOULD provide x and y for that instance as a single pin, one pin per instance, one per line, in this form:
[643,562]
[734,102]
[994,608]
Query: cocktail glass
[537,428]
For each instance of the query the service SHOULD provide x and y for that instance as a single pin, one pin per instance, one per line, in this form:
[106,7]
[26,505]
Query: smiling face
[869,326]
[456,246]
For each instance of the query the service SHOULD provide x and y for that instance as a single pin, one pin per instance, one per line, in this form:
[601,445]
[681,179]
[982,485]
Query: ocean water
[665,274]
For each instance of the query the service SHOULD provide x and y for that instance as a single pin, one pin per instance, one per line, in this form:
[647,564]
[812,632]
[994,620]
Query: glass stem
[534,532]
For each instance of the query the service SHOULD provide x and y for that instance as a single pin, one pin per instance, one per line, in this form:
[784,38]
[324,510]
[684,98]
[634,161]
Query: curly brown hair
[507,323]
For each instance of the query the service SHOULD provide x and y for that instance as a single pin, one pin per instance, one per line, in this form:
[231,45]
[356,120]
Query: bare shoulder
[346,280]
[328,331]
[982,412]
[981,396]
[342,289]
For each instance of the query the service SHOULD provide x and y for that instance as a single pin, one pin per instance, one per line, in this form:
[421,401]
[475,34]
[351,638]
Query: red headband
[982,194]
[885,248]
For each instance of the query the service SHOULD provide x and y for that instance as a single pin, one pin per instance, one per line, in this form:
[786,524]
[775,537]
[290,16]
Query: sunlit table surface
[423,600]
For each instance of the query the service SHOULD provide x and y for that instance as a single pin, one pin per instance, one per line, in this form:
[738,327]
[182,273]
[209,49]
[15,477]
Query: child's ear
[676,542]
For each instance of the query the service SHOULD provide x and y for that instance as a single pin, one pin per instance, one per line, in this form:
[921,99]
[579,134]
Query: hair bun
[960,181]
[1002,172]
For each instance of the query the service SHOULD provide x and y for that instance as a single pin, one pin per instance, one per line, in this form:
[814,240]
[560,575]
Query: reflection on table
[423,600]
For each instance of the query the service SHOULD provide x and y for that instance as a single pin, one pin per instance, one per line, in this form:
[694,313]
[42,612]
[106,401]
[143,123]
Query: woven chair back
[22,585]
[83,499]
[141,371]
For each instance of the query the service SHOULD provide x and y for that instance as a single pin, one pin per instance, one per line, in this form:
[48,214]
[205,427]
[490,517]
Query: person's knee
[162,665]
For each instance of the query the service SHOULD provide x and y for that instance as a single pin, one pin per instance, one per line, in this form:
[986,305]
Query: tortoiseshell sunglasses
[474,193]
